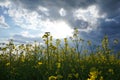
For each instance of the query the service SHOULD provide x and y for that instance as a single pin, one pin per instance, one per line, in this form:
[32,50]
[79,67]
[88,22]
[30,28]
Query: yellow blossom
[39,63]
[101,78]
[52,78]
[111,71]
[70,75]
[59,76]
[76,75]
[65,40]
[58,65]
[22,60]
[7,64]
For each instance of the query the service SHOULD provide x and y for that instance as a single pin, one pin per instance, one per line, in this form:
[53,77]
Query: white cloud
[44,10]
[27,34]
[3,24]
[111,20]
[90,15]
[4,3]
[24,18]
[62,12]
[31,20]
[88,29]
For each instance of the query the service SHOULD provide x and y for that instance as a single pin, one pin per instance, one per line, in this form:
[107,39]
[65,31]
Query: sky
[27,20]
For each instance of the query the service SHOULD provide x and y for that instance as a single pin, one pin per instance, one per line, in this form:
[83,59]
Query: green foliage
[53,62]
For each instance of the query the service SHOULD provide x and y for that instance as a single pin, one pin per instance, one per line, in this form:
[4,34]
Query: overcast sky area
[27,20]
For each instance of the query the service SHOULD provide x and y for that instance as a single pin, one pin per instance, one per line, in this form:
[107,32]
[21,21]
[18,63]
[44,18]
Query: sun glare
[58,29]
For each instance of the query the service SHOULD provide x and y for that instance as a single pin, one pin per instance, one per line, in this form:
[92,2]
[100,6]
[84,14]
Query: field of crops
[54,61]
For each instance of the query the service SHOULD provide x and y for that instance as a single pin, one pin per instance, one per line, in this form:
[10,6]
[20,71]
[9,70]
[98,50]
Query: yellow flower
[22,60]
[39,63]
[116,41]
[65,40]
[101,78]
[76,75]
[52,78]
[53,47]
[58,65]
[111,71]
[59,76]
[89,43]
[51,38]
[93,74]
[58,42]
[7,64]
[70,75]
[46,42]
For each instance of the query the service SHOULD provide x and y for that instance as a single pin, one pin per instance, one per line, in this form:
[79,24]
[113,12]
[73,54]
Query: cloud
[3,24]
[93,18]
[27,34]
[104,6]
[56,3]
[33,16]
[4,3]
[18,38]
[62,12]
[110,27]
[109,7]
[25,18]
[111,20]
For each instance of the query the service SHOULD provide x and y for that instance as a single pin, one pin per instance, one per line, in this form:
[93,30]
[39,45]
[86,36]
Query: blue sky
[27,20]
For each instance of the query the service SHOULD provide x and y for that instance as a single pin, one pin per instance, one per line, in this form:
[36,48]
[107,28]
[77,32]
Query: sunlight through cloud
[58,29]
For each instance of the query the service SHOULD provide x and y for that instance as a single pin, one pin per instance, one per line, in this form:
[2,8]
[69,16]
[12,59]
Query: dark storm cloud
[110,7]
[54,6]
[33,4]
[80,24]
[79,3]
[109,28]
